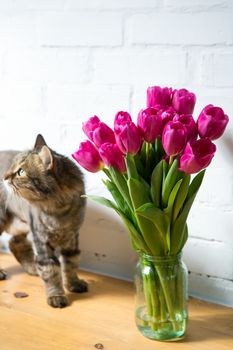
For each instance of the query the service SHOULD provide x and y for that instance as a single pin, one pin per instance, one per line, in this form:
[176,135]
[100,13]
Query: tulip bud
[149,124]
[157,96]
[88,157]
[174,138]
[167,115]
[112,156]
[103,134]
[129,139]
[183,101]
[90,125]
[212,122]
[121,119]
[190,125]
[197,156]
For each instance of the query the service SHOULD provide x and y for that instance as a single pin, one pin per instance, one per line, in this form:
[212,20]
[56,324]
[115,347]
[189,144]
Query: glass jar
[161,297]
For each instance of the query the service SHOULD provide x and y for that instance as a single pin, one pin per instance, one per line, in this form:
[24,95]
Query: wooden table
[104,315]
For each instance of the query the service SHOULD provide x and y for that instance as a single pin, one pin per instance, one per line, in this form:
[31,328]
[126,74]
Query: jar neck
[160,260]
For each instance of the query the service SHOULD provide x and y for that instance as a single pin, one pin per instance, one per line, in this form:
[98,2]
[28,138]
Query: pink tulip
[157,96]
[129,139]
[190,125]
[88,157]
[174,138]
[102,134]
[121,119]
[197,156]
[212,122]
[112,156]
[90,126]
[183,101]
[167,115]
[149,124]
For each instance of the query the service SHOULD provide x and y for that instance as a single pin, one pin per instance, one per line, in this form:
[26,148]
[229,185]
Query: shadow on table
[215,327]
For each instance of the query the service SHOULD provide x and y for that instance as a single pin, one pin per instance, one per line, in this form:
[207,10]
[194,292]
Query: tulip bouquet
[148,168]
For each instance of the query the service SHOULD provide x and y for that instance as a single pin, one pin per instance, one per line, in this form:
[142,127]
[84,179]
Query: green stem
[148,163]
[151,297]
[171,159]
[165,288]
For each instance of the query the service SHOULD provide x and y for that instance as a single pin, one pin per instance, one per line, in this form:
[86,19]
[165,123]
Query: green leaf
[156,183]
[156,215]
[159,150]
[121,183]
[184,238]
[195,184]
[138,192]
[181,196]
[104,201]
[136,238]
[139,196]
[169,182]
[178,229]
[131,167]
[158,218]
[172,198]
[119,199]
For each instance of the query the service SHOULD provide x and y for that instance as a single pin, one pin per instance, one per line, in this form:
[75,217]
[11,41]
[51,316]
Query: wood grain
[104,316]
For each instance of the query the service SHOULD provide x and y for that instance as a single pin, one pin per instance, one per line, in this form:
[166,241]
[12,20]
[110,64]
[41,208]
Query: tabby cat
[40,193]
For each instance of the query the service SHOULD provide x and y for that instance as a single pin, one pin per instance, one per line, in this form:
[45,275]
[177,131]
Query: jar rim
[161,258]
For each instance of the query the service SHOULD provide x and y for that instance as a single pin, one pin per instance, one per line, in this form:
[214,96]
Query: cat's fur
[40,193]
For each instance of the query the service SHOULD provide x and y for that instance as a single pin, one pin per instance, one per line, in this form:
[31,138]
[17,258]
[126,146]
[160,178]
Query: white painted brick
[217,187]
[17,30]
[197,5]
[47,65]
[218,69]
[139,68]
[223,69]
[115,256]
[37,5]
[162,68]
[207,69]
[1,64]
[210,258]
[80,29]
[112,68]
[20,134]
[54,88]
[31,5]
[5,5]
[218,97]
[20,100]
[111,4]
[220,290]
[211,223]
[184,29]
[74,102]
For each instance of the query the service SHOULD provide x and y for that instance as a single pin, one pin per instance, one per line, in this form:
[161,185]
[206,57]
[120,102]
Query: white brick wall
[62,61]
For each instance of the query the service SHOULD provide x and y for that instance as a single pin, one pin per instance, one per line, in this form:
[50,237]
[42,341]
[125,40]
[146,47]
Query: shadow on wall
[228,146]
[105,244]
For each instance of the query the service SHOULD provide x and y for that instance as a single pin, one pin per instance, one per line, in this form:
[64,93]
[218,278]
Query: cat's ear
[40,142]
[46,156]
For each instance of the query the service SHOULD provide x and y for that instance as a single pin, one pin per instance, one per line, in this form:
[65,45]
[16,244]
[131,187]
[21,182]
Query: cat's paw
[57,301]
[30,269]
[2,275]
[78,286]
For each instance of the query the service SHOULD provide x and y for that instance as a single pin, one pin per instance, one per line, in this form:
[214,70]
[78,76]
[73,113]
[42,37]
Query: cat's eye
[20,172]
